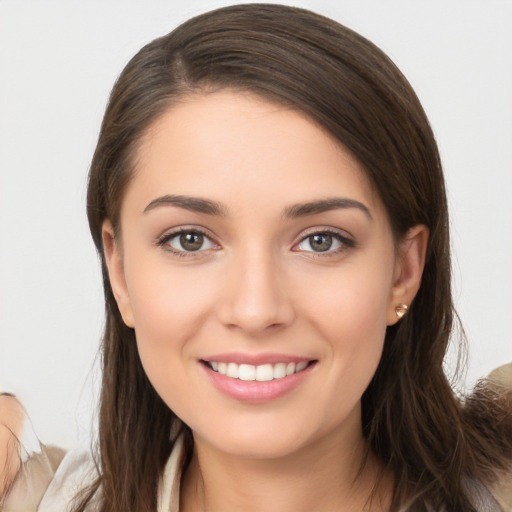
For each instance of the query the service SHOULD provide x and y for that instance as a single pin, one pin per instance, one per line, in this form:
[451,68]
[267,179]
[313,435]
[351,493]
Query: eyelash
[167,237]
[347,243]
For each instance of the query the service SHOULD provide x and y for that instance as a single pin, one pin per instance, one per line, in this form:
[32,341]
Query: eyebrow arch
[194,204]
[324,205]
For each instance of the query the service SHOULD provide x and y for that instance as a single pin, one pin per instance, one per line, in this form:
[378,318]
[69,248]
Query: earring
[400,310]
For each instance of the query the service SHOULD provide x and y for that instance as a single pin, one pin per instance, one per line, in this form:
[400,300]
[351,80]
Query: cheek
[168,299]
[353,325]
[169,306]
[350,304]
[349,311]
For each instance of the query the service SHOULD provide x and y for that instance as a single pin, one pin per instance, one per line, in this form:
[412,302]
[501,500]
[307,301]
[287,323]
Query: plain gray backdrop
[58,61]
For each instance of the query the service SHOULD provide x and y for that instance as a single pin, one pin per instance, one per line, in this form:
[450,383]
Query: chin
[262,439]
[256,447]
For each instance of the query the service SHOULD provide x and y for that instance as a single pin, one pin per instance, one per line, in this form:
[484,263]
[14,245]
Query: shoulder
[502,377]
[37,478]
[501,380]
[76,472]
[49,480]
[501,489]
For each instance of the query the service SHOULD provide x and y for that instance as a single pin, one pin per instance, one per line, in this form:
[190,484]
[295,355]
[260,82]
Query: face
[258,269]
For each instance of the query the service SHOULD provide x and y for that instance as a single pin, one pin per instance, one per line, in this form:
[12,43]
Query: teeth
[300,366]
[264,372]
[232,370]
[246,372]
[261,373]
[279,370]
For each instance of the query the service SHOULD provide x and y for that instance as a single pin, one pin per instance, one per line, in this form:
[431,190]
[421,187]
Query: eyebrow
[324,205]
[209,207]
[194,204]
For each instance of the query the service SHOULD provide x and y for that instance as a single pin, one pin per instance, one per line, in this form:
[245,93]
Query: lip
[255,359]
[255,392]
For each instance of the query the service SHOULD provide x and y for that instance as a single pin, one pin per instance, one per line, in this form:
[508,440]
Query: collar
[169,483]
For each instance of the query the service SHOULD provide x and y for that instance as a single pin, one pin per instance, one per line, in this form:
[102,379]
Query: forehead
[233,146]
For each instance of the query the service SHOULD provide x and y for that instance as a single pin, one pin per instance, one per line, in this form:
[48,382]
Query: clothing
[49,477]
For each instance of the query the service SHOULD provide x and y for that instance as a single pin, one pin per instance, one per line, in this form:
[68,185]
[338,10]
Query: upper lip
[255,359]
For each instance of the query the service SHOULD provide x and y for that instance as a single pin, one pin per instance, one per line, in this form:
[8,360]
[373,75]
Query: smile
[260,373]
[259,378]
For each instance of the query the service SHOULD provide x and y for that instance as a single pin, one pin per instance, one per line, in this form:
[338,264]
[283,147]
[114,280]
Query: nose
[255,299]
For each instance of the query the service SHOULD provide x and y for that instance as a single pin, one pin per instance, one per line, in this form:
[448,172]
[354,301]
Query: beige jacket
[50,478]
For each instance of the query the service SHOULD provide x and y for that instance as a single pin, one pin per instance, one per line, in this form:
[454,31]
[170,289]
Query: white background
[58,61]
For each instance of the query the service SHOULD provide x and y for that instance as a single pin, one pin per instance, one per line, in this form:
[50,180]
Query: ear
[408,270]
[114,261]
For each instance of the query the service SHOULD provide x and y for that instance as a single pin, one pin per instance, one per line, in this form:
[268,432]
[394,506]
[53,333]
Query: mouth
[258,373]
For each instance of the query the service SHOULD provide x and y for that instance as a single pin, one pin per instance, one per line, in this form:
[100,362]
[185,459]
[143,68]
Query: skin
[256,286]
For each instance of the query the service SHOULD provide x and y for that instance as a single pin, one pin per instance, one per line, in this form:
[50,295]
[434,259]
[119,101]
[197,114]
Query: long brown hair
[411,417]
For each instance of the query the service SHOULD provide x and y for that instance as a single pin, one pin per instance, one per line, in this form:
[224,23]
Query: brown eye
[321,242]
[191,241]
[187,241]
[324,242]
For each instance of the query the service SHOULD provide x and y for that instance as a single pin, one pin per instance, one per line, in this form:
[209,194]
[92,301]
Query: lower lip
[256,392]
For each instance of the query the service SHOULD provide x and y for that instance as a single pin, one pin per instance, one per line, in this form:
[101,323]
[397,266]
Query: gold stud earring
[400,310]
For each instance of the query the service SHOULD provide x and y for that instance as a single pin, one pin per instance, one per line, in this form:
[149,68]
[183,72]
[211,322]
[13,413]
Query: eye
[324,242]
[187,241]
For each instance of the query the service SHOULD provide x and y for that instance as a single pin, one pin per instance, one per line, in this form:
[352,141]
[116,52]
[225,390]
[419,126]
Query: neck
[335,472]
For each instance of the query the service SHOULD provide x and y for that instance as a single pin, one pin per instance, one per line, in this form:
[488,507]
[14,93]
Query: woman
[268,202]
